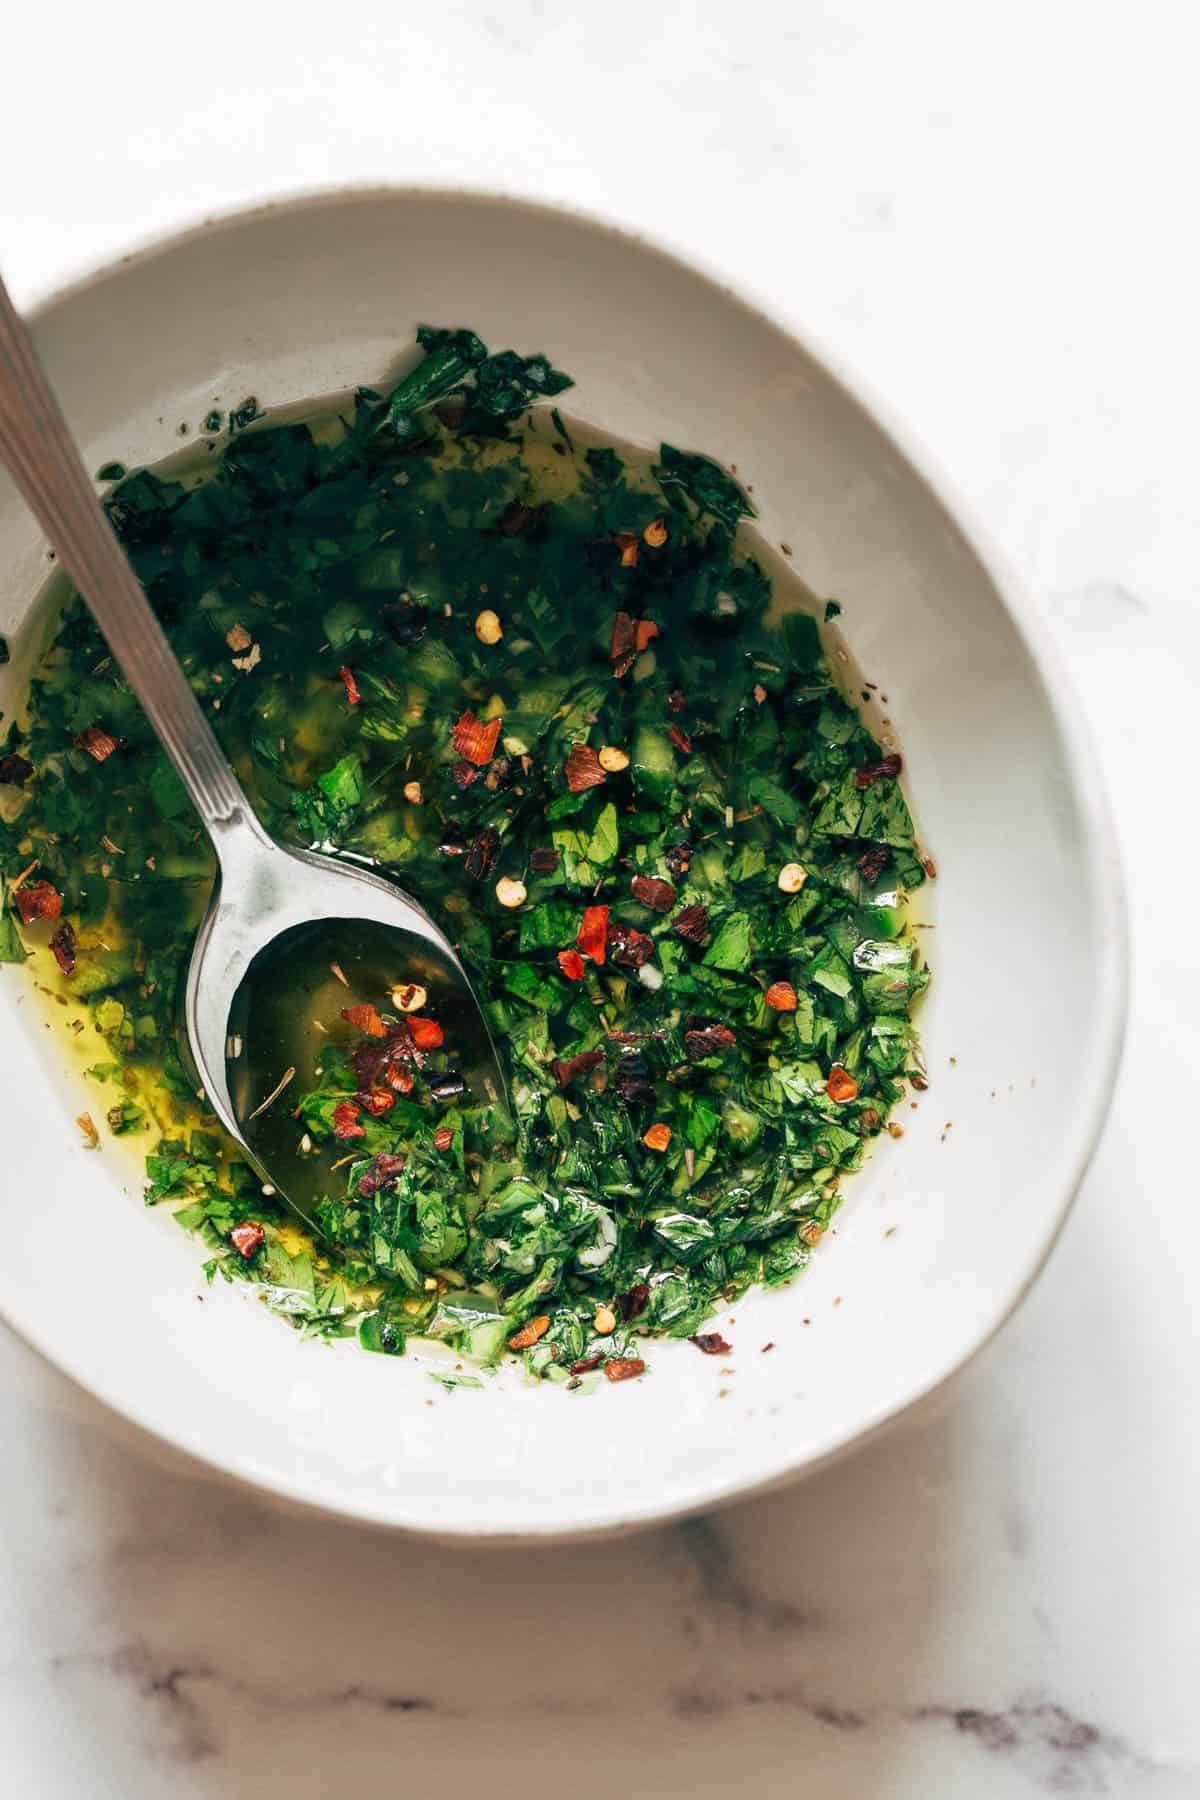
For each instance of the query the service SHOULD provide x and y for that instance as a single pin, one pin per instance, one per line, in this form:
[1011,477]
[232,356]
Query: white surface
[992,223]
[944,1232]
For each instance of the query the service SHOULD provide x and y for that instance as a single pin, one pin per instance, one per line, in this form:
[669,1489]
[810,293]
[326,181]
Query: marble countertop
[990,214]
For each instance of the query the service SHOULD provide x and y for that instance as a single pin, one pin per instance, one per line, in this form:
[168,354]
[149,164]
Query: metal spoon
[271,906]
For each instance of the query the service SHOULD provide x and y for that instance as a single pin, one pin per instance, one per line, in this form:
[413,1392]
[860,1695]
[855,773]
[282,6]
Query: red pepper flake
[380,1173]
[781,997]
[443,1137]
[365,1018]
[529,1334]
[352,693]
[63,946]
[38,900]
[377,1101]
[676,700]
[873,861]
[647,631]
[630,947]
[571,964]
[584,769]
[476,741]
[593,933]
[711,1342]
[15,769]
[631,1078]
[691,924]
[575,1066]
[405,621]
[623,648]
[841,1086]
[627,544]
[96,742]
[657,1137]
[587,1363]
[681,741]
[623,1368]
[678,858]
[483,853]
[382,1059]
[633,1303]
[345,1121]
[544,862]
[700,1040]
[427,1034]
[247,1237]
[656,894]
[887,770]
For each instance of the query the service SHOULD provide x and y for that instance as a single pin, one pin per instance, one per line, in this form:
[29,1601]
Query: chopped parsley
[533,676]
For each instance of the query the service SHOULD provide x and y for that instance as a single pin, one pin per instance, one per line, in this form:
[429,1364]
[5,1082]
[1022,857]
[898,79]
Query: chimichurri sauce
[532,674]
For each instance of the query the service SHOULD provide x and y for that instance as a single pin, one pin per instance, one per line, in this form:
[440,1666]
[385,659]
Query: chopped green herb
[245,414]
[12,950]
[674,861]
[686,476]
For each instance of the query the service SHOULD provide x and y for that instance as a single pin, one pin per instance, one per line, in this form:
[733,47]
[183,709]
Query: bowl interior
[941,1232]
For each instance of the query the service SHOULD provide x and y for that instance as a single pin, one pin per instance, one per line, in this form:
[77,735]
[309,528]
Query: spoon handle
[41,456]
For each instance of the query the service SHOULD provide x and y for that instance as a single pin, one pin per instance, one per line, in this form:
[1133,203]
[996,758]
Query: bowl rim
[1101,865]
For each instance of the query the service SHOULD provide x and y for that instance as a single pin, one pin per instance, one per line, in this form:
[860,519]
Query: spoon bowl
[279,921]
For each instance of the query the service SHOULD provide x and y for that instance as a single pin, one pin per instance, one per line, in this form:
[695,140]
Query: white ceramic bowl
[942,1233]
